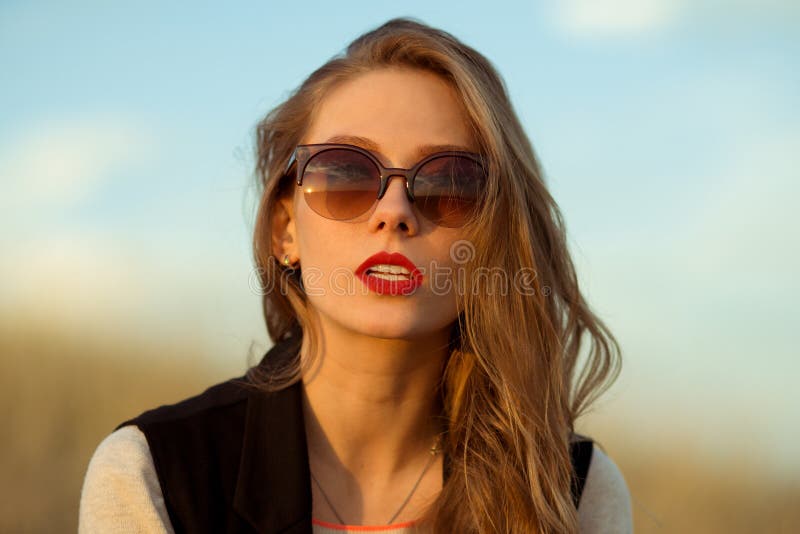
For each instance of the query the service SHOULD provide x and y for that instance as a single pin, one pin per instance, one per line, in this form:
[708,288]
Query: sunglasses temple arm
[292,160]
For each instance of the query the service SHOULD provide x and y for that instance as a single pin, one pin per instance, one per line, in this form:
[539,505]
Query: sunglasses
[341,182]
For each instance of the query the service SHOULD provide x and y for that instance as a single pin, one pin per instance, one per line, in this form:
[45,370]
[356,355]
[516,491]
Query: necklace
[433,450]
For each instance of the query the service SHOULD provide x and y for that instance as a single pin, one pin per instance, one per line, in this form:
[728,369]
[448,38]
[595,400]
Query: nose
[395,210]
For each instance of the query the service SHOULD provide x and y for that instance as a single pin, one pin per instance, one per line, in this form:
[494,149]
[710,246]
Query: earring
[286,259]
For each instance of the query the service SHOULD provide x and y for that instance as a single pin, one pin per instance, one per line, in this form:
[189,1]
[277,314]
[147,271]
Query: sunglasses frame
[302,154]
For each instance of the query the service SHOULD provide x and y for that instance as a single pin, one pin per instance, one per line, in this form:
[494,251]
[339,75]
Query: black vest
[233,459]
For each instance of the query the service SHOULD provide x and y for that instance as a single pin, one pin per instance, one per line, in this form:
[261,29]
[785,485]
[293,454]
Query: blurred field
[677,488]
[64,392]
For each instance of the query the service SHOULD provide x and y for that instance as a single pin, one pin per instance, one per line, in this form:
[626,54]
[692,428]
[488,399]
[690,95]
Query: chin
[388,330]
[383,328]
[388,322]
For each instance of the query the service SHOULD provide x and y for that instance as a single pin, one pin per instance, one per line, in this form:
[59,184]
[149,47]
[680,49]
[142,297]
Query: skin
[369,404]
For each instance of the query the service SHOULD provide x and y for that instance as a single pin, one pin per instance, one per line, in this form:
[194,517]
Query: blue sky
[668,131]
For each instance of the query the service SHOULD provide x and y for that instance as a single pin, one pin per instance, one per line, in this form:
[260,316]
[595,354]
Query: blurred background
[668,131]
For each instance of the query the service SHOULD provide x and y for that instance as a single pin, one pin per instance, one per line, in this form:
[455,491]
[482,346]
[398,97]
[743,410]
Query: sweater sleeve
[605,505]
[121,493]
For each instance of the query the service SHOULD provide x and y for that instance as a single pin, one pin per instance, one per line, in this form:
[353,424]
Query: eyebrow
[369,144]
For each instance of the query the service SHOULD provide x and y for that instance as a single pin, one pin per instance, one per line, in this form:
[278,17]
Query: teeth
[389,276]
[388,269]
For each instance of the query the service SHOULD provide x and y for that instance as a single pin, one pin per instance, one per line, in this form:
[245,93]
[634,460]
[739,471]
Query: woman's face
[394,113]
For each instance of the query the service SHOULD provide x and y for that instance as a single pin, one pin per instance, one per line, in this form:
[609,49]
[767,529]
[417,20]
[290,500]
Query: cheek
[310,234]
[324,248]
[447,266]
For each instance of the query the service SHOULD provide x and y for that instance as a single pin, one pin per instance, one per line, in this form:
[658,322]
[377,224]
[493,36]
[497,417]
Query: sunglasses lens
[340,184]
[446,189]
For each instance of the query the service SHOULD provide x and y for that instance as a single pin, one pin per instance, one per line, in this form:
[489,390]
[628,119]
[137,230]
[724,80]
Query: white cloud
[59,163]
[73,275]
[91,281]
[616,17]
[108,277]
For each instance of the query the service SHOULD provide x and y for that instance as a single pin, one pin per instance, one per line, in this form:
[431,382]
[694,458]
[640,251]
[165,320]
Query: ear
[284,231]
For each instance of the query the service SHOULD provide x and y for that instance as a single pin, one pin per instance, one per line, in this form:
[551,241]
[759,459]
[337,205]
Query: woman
[427,323]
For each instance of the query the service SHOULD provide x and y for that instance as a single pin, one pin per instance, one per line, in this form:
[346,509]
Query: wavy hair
[512,386]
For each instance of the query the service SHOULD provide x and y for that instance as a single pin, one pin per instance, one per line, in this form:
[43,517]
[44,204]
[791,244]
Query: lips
[389,274]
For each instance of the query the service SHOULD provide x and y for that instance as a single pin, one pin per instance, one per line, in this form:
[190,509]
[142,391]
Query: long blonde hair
[512,387]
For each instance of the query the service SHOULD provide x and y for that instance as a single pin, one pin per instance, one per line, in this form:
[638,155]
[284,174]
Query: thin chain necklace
[433,451]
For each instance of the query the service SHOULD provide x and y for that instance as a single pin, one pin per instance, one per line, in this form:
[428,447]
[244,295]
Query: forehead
[401,111]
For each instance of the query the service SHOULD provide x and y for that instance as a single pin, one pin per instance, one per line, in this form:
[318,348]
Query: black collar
[273,489]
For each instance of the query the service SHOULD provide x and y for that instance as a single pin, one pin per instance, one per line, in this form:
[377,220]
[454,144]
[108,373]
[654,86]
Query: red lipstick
[390,274]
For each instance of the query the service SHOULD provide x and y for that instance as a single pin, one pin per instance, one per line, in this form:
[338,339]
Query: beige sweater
[121,493]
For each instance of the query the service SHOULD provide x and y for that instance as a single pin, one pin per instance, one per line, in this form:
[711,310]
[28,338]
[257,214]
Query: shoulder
[605,504]
[127,443]
[224,394]
[205,429]
[219,402]
[121,491]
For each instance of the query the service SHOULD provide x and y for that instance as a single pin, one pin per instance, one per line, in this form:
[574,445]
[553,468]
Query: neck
[370,403]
